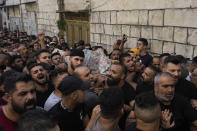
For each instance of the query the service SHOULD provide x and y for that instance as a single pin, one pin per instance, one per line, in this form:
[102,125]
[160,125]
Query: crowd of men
[41,91]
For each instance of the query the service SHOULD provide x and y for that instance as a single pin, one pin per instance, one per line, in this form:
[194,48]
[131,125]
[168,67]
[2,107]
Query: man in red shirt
[21,96]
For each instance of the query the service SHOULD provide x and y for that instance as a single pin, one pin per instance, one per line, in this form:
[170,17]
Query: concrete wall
[169,25]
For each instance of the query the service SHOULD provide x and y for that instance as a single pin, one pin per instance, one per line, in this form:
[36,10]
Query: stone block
[192,36]
[128,17]
[97,38]
[195,51]
[126,30]
[108,29]
[193,3]
[181,17]
[135,31]
[180,35]
[108,17]
[113,17]
[117,29]
[131,43]
[99,28]
[163,33]
[91,37]
[113,40]
[95,17]
[169,47]
[185,50]
[108,40]
[143,17]
[156,17]
[103,39]
[103,17]
[93,28]
[147,32]
[156,46]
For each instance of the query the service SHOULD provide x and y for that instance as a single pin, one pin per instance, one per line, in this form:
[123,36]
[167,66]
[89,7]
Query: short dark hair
[171,59]
[14,57]
[123,56]
[10,83]
[144,41]
[194,60]
[56,72]
[54,54]
[36,120]
[6,75]
[164,54]
[153,68]
[111,101]
[37,54]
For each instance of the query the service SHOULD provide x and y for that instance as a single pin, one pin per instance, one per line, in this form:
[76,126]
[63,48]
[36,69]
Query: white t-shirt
[51,101]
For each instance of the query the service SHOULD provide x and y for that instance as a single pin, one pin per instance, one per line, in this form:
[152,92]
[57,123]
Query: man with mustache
[21,96]
[183,86]
[177,113]
[39,75]
[75,60]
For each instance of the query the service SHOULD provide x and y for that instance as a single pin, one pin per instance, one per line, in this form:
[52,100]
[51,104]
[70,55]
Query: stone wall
[169,25]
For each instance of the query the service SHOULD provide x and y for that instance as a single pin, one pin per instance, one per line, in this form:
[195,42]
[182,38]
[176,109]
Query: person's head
[51,46]
[194,64]
[116,74]
[72,90]
[61,40]
[162,57]
[55,40]
[37,120]
[115,55]
[20,92]
[126,60]
[149,74]
[164,86]
[17,63]
[142,44]
[117,44]
[56,58]
[80,45]
[194,77]
[36,46]
[23,49]
[57,75]
[147,109]
[43,56]
[76,58]
[38,73]
[156,62]
[173,66]
[83,73]
[111,103]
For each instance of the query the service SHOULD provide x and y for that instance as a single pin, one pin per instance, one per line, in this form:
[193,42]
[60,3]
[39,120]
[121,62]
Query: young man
[43,56]
[156,62]
[56,77]
[21,96]
[56,58]
[147,112]
[144,56]
[17,63]
[68,112]
[110,111]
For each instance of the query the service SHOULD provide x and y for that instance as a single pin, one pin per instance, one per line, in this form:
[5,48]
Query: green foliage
[61,23]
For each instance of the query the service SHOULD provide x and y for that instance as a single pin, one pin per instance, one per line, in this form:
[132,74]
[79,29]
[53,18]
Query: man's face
[18,62]
[45,57]
[115,75]
[129,64]
[164,90]
[23,50]
[59,78]
[76,61]
[36,46]
[194,77]
[24,98]
[62,41]
[39,75]
[140,46]
[148,75]
[54,40]
[85,74]
[173,69]
[162,62]
[115,55]
[156,62]
[56,59]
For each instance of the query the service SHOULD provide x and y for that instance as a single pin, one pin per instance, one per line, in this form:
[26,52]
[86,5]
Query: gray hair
[162,74]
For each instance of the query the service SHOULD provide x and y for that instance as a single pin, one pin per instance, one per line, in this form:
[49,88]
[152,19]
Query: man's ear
[123,76]
[74,95]
[7,97]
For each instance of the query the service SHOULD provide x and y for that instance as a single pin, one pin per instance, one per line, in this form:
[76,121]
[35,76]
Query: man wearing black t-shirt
[144,56]
[69,112]
[183,87]
[177,113]
[147,77]
[39,75]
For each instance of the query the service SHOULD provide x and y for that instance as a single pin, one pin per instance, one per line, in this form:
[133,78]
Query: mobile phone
[125,37]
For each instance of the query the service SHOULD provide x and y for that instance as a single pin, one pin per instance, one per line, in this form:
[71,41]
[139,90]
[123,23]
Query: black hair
[36,120]
[153,68]
[32,65]
[14,57]
[194,60]
[123,56]
[146,101]
[54,54]
[37,54]
[144,41]
[10,83]
[119,42]
[111,101]
[6,75]
[181,58]
[164,54]
[171,59]
[56,72]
